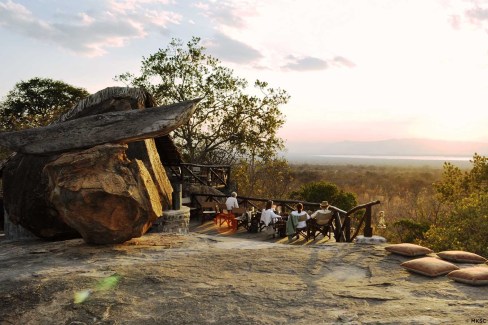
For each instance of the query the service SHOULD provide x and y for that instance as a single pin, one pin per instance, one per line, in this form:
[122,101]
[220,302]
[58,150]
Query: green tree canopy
[325,191]
[37,102]
[462,223]
[229,122]
[271,178]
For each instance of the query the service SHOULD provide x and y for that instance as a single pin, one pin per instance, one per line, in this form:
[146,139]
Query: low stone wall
[174,221]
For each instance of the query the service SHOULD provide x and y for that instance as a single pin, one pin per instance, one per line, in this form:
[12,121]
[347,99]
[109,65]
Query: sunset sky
[355,69]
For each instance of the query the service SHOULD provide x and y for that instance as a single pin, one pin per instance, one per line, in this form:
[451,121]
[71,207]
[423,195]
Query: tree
[37,102]
[462,228]
[228,123]
[462,223]
[325,191]
[270,178]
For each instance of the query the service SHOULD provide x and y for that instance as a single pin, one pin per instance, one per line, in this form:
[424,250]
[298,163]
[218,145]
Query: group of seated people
[269,217]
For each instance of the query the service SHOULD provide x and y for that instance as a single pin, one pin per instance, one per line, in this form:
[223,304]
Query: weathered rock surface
[26,197]
[146,152]
[201,279]
[102,194]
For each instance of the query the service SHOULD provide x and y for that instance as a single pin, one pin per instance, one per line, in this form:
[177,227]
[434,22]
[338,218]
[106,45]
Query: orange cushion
[429,266]
[408,249]
[476,275]
[461,257]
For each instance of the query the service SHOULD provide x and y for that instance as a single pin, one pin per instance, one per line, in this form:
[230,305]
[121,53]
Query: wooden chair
[208,209]
[321,224]
[226,216]
[222,214]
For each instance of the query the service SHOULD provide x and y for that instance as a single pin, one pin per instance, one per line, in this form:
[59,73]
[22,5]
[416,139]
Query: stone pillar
[174,221]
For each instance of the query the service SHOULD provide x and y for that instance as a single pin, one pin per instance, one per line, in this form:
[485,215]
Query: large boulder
[102,194]
[26,195]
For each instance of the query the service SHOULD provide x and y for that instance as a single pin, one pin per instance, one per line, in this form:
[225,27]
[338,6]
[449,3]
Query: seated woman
[268,216]
[296,221]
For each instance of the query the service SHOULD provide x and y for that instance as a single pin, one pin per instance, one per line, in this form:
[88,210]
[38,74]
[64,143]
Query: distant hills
[392,147]
[386,152]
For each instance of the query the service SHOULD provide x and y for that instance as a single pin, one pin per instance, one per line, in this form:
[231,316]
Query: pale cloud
[477,14]
[228,13]
[341,61]
[163,18]
[111,24]
[307,63]
[125,6]
[231,50]
[469,13]
[86,19]
[310,63]
[14,8]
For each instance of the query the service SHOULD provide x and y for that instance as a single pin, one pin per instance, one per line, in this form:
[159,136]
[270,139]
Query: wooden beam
[89,131]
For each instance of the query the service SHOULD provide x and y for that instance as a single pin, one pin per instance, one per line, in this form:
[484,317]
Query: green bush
[325,191]
[463,228]
[462,223]
[409,230]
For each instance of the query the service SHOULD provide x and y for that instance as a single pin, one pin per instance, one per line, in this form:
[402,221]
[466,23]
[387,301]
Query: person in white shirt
[268,215]
[231,202]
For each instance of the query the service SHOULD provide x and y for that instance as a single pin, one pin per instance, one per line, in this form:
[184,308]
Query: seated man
[231,202]
[321,220]
[323,209]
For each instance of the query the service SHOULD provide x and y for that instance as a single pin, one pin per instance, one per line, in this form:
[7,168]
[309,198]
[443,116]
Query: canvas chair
[274,226]
[280,227]
[241,217]
[321,224]
[304,230]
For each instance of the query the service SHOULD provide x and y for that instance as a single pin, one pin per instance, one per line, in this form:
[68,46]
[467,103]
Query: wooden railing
[342,219]
[217,176]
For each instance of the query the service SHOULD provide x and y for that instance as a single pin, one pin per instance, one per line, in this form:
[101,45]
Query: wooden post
[347,228]
[338,227]
[177,197]
[227,186]
[368,230]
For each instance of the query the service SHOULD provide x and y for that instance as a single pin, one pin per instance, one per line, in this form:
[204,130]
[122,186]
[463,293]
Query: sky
[356,70]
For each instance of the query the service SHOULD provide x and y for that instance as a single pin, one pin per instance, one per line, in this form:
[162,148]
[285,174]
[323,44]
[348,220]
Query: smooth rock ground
[211,276]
